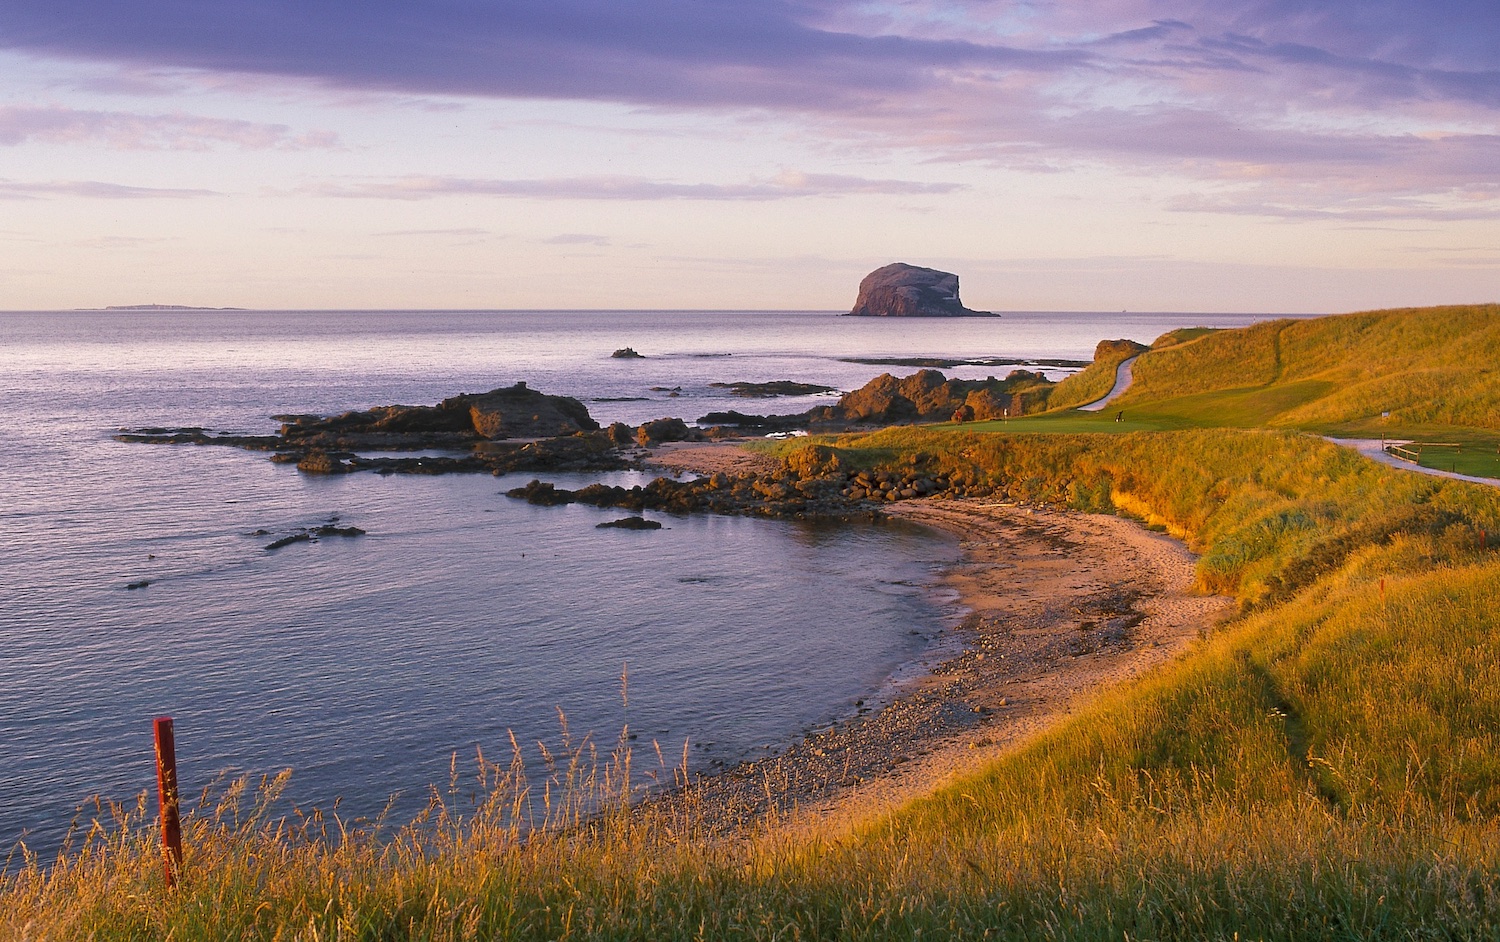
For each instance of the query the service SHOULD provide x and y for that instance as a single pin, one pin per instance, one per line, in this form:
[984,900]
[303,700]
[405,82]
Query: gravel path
[1374,449]
[1124,373]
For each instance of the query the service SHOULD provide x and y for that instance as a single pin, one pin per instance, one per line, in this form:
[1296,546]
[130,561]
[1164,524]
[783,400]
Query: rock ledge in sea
[902,290]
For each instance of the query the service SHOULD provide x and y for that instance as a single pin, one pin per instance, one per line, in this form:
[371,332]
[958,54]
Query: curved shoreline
[1061,607]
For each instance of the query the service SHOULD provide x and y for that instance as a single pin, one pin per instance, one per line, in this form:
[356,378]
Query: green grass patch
[1071,422]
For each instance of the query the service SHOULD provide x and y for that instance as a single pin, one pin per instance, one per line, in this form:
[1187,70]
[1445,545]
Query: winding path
[1374,449]
[1123,376]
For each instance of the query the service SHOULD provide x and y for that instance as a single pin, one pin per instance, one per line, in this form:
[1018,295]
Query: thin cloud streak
[785,186]
[93,189]
[126,131]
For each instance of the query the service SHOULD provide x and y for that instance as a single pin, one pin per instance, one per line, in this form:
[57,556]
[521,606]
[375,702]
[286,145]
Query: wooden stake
[167,801]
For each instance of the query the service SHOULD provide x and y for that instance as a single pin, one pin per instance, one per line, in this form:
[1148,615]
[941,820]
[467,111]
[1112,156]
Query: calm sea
[365,664]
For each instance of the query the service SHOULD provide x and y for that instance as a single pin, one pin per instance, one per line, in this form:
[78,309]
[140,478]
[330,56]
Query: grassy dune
[1326,765]
[1427,366]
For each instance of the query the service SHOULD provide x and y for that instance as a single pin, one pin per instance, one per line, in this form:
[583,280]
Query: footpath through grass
[1326,766]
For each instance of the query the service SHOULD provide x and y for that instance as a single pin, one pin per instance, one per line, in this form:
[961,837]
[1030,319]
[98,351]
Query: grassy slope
[1436,370]
[1427,367]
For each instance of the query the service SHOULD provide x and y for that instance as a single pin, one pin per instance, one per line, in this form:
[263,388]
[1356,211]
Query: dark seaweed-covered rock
[329,529]
[629,523]
[768,423]
[778,388]
[627,353]
[311,535]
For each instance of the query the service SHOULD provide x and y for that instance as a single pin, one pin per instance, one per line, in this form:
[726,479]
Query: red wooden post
[166,797]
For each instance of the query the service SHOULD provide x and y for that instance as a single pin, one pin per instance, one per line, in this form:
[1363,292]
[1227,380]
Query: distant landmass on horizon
[164,307]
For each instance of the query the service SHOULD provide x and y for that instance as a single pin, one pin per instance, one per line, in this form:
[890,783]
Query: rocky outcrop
[510,412]
[1113,351]
[665,430]
[508,429]
[812,482]
[924,396]
[519,412]
[902,290]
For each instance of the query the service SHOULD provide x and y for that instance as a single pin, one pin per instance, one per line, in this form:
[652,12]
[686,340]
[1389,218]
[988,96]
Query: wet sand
[1061,606]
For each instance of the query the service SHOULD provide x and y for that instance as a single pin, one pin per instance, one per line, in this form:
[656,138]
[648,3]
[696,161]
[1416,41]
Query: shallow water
[365,663]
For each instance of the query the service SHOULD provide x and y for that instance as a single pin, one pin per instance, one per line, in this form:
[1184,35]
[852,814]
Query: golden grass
[1422,365]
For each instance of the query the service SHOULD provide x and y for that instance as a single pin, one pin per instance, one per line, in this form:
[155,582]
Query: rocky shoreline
[516,429]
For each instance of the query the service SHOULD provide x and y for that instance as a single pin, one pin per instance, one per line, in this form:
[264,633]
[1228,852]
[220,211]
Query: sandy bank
[709,458]
[1061,606]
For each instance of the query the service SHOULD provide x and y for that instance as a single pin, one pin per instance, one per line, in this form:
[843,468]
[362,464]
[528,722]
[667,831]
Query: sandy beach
[1060,606]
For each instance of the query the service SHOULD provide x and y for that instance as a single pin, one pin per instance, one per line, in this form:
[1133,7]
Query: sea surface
[370,666]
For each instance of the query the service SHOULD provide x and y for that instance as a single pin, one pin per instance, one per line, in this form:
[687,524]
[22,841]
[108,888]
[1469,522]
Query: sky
[1277,156]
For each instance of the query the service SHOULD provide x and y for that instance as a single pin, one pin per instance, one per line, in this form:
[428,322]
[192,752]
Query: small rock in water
[138,585]
[630,523]
[627,353]
[331,530]
[289,540]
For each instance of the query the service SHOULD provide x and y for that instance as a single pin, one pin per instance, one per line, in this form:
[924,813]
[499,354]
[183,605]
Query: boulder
[519,412]
[902,290]
[663,430]
[321,462]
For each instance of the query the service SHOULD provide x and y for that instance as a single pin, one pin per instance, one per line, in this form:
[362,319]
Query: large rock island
[902,290]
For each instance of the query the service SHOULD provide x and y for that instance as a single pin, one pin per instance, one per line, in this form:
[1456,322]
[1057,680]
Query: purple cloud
[58,125]
[785,186]
[692,52]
